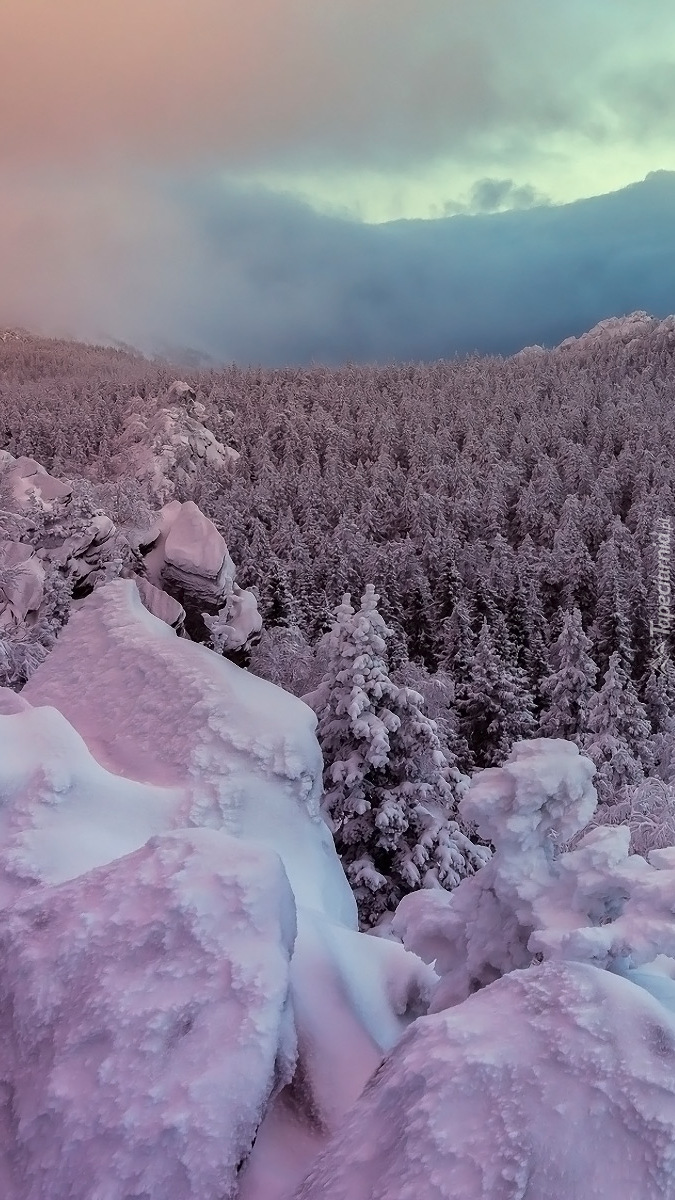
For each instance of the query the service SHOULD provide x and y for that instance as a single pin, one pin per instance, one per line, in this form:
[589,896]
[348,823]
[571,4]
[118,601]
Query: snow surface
[61,812]
[353,996]
[145,1022]
[555,1083]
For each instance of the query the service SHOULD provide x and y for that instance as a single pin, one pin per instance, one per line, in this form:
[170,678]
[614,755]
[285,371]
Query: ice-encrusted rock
[558,1081]
[145,1022]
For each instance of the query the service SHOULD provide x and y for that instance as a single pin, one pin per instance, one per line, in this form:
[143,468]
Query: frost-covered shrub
[648,809]
[285,657]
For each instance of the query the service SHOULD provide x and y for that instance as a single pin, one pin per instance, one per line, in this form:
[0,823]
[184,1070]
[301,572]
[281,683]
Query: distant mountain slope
[260,278]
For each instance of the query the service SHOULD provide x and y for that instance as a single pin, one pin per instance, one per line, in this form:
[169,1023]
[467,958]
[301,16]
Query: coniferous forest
[508,514]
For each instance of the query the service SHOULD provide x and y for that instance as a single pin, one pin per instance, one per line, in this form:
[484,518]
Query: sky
[288,180]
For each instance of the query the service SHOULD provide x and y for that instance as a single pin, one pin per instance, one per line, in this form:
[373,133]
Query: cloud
[259,83]
[490,195]
[161,260]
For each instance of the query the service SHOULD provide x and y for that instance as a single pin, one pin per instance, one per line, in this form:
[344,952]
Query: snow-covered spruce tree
[528,630]
[659,700]
[570,687]
[278,605]
[619,733]
[391,788]
[494,704]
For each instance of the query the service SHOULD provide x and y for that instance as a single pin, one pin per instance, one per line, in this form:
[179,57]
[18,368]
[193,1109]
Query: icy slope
[553,1082]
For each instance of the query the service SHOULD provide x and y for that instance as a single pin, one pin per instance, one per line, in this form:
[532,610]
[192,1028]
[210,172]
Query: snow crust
[558,1081]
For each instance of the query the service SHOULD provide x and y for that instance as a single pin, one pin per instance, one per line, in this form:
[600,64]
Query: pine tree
[457,643]
[449,586]
[570,574]
[528,631]
[391,786]
[420,625]
[569,688]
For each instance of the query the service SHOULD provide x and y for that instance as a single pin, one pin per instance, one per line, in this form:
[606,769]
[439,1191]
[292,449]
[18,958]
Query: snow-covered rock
[536,802]
[558,1081]
[145,1022]
[169,444]
[241,753]
[185,554]
[14,335]
[538,899]
[160,603]
[27,481]
[22,580]
[154,733]
[624,329]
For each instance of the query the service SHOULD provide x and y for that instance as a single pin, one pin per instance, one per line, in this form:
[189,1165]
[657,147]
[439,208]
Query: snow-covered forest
[338,753]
